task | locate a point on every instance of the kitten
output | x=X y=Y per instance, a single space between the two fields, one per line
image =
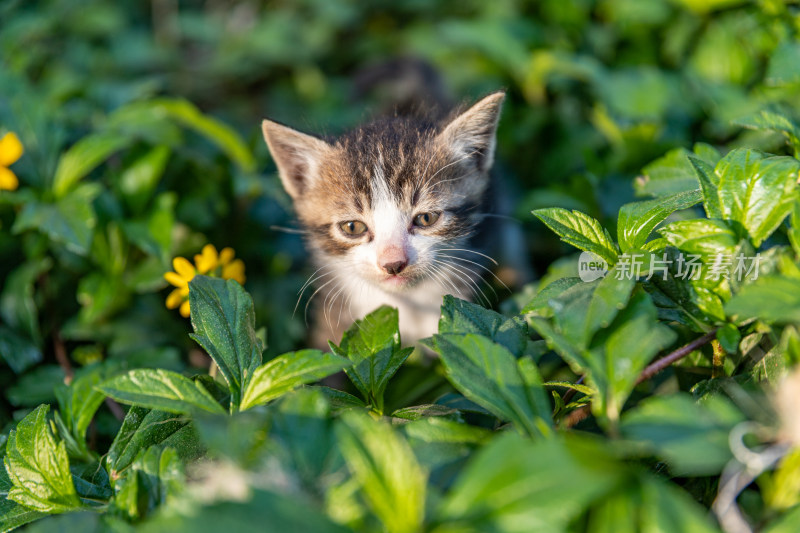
x=388 y=210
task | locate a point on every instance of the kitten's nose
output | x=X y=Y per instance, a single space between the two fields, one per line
x=395 y=267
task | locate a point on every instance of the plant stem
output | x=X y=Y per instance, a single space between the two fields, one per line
x=571 y=392
x=62 y=358
x=659 y=365
x=651 y=370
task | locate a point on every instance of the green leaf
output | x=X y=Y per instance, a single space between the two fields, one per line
x=160 y=389
x=418 y=412
x=219 y=133
x=541 y=303
x=100 y=295
x=92 y=484
x=137 y=183
x=767 y=119
x=260 y=511
x=77 y=404
x=70 y=220
x=12 y=514
x=709 y=183
x=631 y=344
x=304 y=426
x=83 y=157
x=789 y=522
x=609 y=296
x=794 y=228
x=491 y=376
x=704 y=237
x=784 y=65
x=515 y=485
x=38 y=467
x=617 y=512
x=672 y=173
x=775 y=299
x=585 y=308
x=648 y=504
x=668 y=509
x=676 y=299
x=436 y=429
x=637 y=220
x=757 y=190
x=18 y=306
x=19 y=352
x=154 y=478
x=579 y=230
x=146 y=232
x=287 y=372
x=391 y=481
x=459 y=316
x=224 y=325
x=691 y=437
x=36 y=386
x=613 y=366
x=143 y=429
x=729 y=337
x=373 y=345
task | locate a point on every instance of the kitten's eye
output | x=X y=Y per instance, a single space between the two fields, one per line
x=426 y=219
x=353 y=228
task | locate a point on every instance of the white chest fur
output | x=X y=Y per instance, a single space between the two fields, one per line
x=419 y=308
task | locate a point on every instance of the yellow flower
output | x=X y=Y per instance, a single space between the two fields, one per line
x=10 y=151
x=209 y=263
x=207 y=259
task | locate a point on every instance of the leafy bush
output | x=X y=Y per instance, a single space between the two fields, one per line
x=659 y=396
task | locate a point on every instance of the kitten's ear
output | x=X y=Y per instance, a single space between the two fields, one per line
x=296 y=154
x=472 y=133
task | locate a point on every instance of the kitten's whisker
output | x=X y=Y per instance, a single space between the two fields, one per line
x=449 y=267
x=333 y=302
x=463 y=268
x=436 y=276
x=468 y=251
x=442 y=275
x=294 y=231
x=309 y=280
x=466 y=279
x=305 y=314
x=479 y=266
x=305 y=286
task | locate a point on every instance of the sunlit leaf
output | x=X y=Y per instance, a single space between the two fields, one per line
x=224 y=325
x=38 y=467
x=160 y=389
x=579 y=230
x=286 y=372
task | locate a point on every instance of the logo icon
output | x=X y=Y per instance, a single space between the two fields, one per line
x=591 y=267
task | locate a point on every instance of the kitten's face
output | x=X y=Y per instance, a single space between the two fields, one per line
x=389 y=202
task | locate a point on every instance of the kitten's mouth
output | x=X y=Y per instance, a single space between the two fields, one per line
x=397 y=282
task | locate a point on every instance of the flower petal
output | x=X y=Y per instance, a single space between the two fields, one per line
x=8 y=180
x=207 y=260
x=226 y=256
x=185 y=310
x=184 y=268
x=10 y=149
x=176 y=280
x=175 y=299
x=234 y=270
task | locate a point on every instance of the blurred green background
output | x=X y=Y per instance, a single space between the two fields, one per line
x=597 y=90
